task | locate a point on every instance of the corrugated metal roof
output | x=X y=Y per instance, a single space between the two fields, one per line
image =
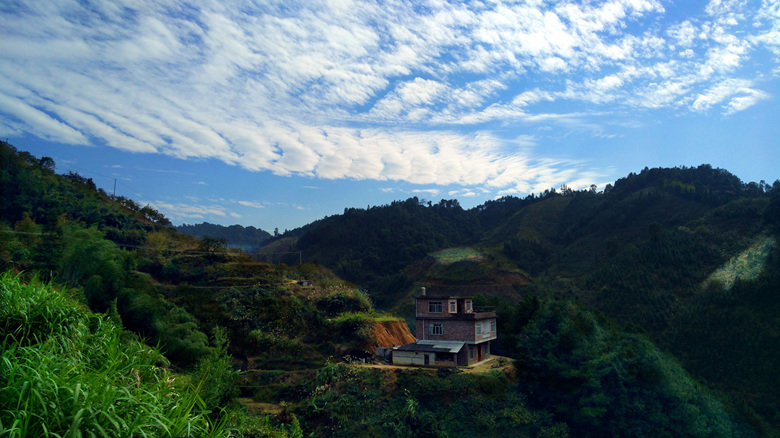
x=443 y=296
x=433 y=346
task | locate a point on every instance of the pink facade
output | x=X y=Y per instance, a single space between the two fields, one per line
x=452 y=318
x=428 y=306
x=456 y=329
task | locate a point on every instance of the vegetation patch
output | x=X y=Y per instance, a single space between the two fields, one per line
x=746 y=265
x=459 y=254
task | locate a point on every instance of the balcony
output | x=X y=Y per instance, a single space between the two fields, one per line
x=477 y=313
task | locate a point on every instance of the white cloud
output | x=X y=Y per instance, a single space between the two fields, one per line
x=737 y=95
x=408 y=97
x=683 y=33
x=362 y=90
x=252 y=204
x=768 y=20
x=430 y=192
x=40 y=122
x=181 y=211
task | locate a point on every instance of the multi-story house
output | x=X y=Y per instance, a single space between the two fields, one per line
x=450 y=332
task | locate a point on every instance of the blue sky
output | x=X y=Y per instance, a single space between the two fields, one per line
x=275 y=114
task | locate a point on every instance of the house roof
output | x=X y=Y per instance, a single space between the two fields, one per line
x=443 y=297
x=433 y=346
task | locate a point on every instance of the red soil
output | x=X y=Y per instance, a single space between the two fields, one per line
x=391 y=334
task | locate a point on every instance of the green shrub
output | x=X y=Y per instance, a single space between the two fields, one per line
x=353 y=329
x=597 y=378
x=165 y=324
x=344 y=301
x=215 y=374
x=88 y=254
x=30 y=314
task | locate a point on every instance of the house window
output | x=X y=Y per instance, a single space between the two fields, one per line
x=471 y=352
x=453 y=307
x=492 y=326
x=434 y=307
x=479 y=328
x=468 y=305
x=435 y=329
x=444 y=357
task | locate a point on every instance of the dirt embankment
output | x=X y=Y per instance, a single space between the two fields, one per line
x=392 y=334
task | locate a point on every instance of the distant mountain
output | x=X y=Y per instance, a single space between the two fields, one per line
x=247 y=238
x=558 y=234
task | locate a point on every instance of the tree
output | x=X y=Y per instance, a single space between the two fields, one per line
x=47 y=164
x=86 y=255
x=212 y=244
x=155 y=216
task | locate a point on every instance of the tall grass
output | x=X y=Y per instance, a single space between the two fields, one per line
x=32 y=313
x=68 y=373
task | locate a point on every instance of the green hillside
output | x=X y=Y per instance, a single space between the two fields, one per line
x=647 y=310
x=651 y=252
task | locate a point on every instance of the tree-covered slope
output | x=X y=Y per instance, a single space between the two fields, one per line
x=247 y=238
x=706 y=214
x=642 y=252
x=172 y=289
x=370 y=247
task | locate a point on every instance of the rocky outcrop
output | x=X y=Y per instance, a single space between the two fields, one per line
x=391 y=334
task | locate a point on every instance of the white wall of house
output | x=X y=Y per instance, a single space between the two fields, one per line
x=413 y=358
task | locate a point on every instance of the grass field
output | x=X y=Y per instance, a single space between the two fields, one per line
x=460 y=254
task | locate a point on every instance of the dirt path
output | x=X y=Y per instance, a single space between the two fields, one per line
x=499 y=363
x=257 y=408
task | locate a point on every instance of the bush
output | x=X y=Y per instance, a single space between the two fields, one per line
x=344 y=301
x=353 y=329
x=215 y=374
x=597 y=378
x=31 y=314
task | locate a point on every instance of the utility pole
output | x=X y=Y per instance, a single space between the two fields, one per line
x=114 y=188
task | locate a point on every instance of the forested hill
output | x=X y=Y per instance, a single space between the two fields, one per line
x=372 y=247
x=686 y=255
x=247 y=238
x=564 y=233
x=34 y=199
